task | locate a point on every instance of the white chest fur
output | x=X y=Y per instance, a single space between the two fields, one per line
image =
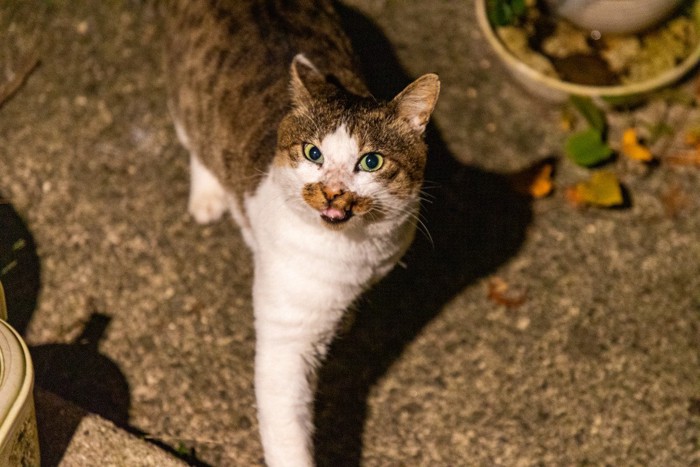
x=306 y=276
x=307 y=259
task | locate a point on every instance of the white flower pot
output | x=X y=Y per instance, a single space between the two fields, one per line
x=19 y=442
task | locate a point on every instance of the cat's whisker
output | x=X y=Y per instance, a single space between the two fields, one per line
x=425 y=193
x=260 y=173
x=416 y=218
x=429 y=184
x=426 y=200
x=422 y=227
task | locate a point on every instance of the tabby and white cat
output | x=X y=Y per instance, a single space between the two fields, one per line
x=322 y=179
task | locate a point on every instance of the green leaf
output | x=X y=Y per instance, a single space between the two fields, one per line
x=497 y=13
x=591 y=112
x=518 y=7
x=587 y=148
x=505 y=12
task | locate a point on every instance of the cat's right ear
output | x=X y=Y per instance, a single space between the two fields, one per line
x=306 y=81
x=417 y=101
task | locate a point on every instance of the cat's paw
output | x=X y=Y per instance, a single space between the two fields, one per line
x=208 y=206
x=208 y=199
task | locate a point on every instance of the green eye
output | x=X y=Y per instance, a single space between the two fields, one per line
x=313 y=153
x=371 y=162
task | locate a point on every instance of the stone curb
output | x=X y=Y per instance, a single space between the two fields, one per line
x=69 y=436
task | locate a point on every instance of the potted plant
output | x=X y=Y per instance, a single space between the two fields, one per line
x=598 y=48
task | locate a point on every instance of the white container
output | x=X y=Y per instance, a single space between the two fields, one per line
x=19 y=441
x=556 y=90
x=615 y=16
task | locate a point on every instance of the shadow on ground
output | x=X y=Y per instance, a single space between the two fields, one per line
x=77 y=372
x=19 y=267
x=476 y=222
x=60 y=368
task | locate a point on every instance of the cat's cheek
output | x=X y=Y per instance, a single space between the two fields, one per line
x=294 y=178
x=363 y=205
x=366 y=185
x=313 y=196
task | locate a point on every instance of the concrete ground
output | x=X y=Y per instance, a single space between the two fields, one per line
x=135 y=313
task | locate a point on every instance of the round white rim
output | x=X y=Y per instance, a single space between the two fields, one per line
x=16 y=380
x=631 y=89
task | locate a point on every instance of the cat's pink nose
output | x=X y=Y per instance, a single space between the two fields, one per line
x=331 y=192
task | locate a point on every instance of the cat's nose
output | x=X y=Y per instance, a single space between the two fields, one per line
x=331 y=192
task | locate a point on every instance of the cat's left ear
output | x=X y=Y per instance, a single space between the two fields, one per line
x=415 y=104
x=306 y=81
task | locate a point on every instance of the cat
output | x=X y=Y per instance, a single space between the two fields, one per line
x=323 y=180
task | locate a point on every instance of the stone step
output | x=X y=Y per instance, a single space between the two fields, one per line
x=70 y=436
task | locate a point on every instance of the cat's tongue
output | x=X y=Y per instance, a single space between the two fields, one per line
x=334 y=214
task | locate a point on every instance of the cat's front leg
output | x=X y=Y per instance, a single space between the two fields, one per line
x=287 y=353
x=284 y=395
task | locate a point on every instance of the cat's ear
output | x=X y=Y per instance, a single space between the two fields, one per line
x=306 y=81
x=415 y=103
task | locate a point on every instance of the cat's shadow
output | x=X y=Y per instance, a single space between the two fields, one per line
x=476 y=222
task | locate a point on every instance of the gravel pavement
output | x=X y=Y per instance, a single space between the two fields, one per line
x=136 y=313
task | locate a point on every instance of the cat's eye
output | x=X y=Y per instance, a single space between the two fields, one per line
x=312 y=153
x=371 y=162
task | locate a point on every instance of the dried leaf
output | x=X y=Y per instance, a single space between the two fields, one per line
x=691 y=137
x=542 y=185
x=686 y=158
x=674 y=201
x=535 y=181
x=602 y=189
x=8 y=89
x=632 y=148
x=500 y=293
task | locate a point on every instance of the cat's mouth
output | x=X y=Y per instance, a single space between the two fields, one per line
x=335 y=216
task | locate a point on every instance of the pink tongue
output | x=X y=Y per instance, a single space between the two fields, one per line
x=333 y=213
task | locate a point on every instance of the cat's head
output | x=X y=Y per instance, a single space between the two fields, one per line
x=347 y=159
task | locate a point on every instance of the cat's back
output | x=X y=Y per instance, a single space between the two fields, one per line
x=227 y=63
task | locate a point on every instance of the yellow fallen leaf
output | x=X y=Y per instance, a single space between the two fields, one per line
x=691 y=137
x=535 y=181
x=500 y=293
x=602 y=189
x=632 y=148
x=542 y=184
